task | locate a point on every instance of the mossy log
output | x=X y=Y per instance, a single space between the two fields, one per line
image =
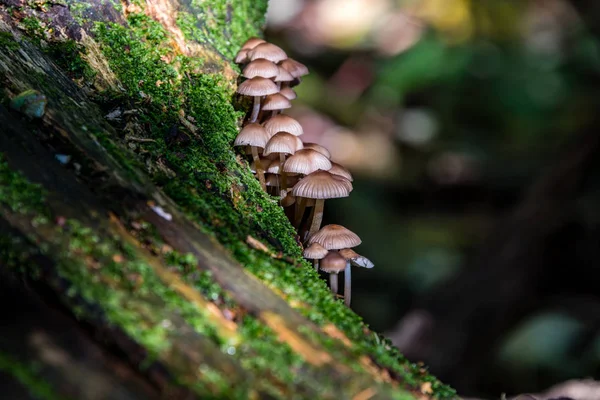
x=138 y=256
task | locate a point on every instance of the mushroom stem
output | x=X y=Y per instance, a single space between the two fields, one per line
x=255 y=109
x=259 y=171
x=317 y=217
x=283 y=176
x=333 y=282
x=274 y=113
x=347 y=288
x=300 y=207
x=316 y=265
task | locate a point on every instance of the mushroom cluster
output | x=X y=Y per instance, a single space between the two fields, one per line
x=301 y=175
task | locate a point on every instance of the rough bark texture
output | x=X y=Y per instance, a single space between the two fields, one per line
x=149 y=262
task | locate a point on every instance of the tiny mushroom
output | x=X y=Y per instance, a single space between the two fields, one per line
x=283 y=77
x=242 y=55
x=339 y=170
x=254 y=135
x=288 y=92
x=276 y=102
x=269 y=51
x=282 y=143
x=257 y=87
x=252 y=43
x=315 y=252
x=295 y=68
x=333 y=264
x=283 y=123
x=320 y=185
x=335 y=237
x=260 y=67
x=321 y=149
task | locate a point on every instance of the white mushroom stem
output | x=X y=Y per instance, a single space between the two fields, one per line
x=317 y=217
x=274 y=113
x=283 y=176
x=255 y=109
x=316 y=265
x=333 y=282
x=347 y=288
x=259 y=171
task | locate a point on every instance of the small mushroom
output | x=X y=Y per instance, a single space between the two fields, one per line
x=288 y=92
x=315 y=252
x=269 y=51
x=241 y=57
x=283 y=123
x=296 y=70
x=282 y=143
x=257 y=87
x=333 y=264
x=306 y=161
x=260 y=67
x=252 y=43
x=276 y=102
x=321 y=185
x=283 y=77
x=255 y=136
x=321 y=149
x=339 y=170
x=335 y=237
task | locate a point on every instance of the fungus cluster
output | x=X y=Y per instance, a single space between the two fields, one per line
x=301 y=175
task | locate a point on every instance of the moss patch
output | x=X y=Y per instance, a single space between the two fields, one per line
x=29 y=377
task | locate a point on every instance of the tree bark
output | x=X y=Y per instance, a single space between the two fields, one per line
x=134 y=226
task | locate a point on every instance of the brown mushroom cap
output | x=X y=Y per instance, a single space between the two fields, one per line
x=348 y=254
x=288 y=92
x=260 y=67
x=315 y=252
x=274 y=167
x=317 y=147
x=252 y=43
x=283 y=123
x=321 y=185
x=295 y=68
x=283 y=76
x=332 y=263
x=306 y=161
x=276 y=101
x=288 y=200
x=257 y=86
x=242 y=56
x=282 y=142
x=252 y=135
x=339 y=170
x=334 y=237
x=268 y=51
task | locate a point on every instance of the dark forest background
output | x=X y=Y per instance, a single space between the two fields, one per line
x=472 y=130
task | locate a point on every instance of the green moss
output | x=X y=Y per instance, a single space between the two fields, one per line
x=29 y=377
x=18 y=193
x=230 y=23
x=213 y=188
x=67 y=54
x=7 y=41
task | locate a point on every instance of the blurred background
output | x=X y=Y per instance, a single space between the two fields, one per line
x=472 y=130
